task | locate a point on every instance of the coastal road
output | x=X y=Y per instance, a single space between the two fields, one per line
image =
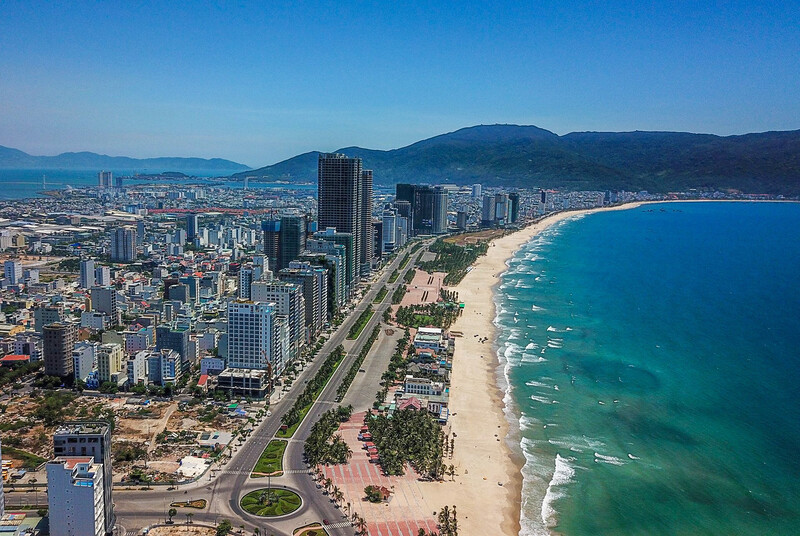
x=224 y=487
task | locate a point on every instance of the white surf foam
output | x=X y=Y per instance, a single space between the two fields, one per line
x=602 y=458
x=561 y=476
x=534 y=383
x=535 y=307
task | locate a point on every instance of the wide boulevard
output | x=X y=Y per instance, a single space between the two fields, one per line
x=224 y=487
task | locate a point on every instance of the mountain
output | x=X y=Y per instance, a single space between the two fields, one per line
x=513 y=155
x=16 y=159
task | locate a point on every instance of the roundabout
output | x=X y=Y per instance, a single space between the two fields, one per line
x=273 y=502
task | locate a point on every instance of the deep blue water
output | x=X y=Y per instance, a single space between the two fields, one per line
x=24 y=183
x=654 y=362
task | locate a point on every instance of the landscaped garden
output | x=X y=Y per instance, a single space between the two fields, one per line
x=271 y=460
x=271 y=502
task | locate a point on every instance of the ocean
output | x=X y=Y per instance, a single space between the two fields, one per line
x=26 y=183
x=652 y=358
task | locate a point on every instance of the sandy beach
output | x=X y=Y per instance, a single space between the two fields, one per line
x=487 y=488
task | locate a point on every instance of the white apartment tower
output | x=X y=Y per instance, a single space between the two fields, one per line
x=253 y=336
x=75 y=496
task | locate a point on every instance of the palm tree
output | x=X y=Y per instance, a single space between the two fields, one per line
x=327 y=483
x=171 y=513
x=361 y=525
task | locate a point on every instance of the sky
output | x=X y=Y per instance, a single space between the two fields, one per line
x=258 y=84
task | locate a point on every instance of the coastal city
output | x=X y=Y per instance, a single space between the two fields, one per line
x=251 y=360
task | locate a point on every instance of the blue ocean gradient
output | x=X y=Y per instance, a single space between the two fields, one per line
x=653 y=358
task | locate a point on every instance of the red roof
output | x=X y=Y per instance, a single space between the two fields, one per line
x=412 y=403
x=203 y=380
x=15 y=358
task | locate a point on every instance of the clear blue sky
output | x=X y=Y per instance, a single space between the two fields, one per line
x=260 y=84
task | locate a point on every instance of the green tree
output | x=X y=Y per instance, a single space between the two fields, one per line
x=171 y=513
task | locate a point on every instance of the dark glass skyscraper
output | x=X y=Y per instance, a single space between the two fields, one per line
x=345 y=202
x=292 y=240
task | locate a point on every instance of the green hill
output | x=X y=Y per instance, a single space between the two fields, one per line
x=512 y=155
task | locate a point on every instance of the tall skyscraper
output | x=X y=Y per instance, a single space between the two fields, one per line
x=476 y=191
x=292 y=240
x=389 y=230
x=514 y=198
x=272 y=241
x=343 y=191
x=192 y=226
x=105 y=179
x=367 y=230
x=87 y=273
x=89 y=439
x=58 y=342
x=405 y=199
x=123 y=244
x=439 y=210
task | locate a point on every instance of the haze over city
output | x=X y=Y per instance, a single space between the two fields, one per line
x=258 y=84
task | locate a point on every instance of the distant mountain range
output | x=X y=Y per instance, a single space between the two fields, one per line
x=16 y=159
x=513 y=155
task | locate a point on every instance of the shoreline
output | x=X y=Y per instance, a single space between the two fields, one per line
x=488 y=461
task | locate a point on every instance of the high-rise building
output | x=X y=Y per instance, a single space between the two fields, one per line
x=105 y=179
x=253 y=337
x=514 y=199
x=47 y=314
x=58 y=343
x=123 y=244
x=12 y=272
x=163 y=366
x=333 y=257
x=439 y=210
x=89 y=439
x=104 y=300
x=405 y=202
x=75 y=494
x=345 y=202
x=367 y=230
x=272 y=241
x=102 y=276
x=290 y=303
x=176 y=338
x=292 y=240
x=192 y=226
x=109 y=361
x=461 y=220
x=84 y=359
x=389 y=230
x=543 y=196
x=343 y=239
x=87 y=274
x=502 y=208
x=476 y=191
x=488 y=213
x=245 y=282
x=314 y=281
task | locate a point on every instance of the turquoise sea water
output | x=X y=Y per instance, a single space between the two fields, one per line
x=653 y=358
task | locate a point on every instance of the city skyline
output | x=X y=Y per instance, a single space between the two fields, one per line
x=255 y=85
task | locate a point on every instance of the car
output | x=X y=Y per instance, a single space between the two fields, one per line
x=325 y=522
x=361 y=370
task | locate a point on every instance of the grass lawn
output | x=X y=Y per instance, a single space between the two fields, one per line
x=280 y=502
x=271 y=460
x=394 y=276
